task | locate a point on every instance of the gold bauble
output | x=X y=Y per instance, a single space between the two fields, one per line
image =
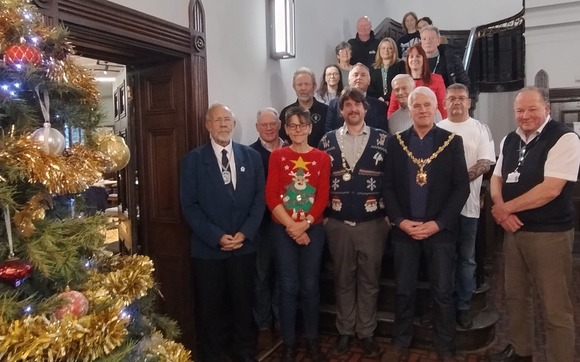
x=116 y=153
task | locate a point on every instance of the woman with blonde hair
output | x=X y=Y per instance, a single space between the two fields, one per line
x=387 y=65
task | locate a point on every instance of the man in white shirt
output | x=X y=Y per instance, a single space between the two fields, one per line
x=479 y=155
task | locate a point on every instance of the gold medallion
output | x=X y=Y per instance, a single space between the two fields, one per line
x=421 y=178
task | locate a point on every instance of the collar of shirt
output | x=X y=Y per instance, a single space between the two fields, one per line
x=265 y=144
x=366 y=130
x=520 y=132
x=217 y=149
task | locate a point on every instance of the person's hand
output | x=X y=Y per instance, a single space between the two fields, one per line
x=425 y=230
x=240 y=237
x=408 y=226
x=500 y=213
x=303 y=239
x=297 y=228
x=229 y=243
x=512 y=223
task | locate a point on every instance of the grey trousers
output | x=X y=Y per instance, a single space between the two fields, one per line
x=356 y=252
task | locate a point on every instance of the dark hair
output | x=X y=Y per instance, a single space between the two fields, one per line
x=426 y=19
x=323 y=89
x=353 y=94
x=342 y=45
x=303 y=115
x=425 y=72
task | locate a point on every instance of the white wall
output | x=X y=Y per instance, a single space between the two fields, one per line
x=552 y=35
x=241 y=74
x=456 y=14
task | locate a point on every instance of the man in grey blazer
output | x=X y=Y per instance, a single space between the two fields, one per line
x=222 y=199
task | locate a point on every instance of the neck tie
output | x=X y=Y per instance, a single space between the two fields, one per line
x=227 y=172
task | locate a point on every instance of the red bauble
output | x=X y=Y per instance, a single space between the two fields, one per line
x=14 y=271
x=25 y=54
x=75 y=303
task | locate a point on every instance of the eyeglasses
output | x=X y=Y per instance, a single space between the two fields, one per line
x=297 y=126
x=453 y=99
x=332 y=74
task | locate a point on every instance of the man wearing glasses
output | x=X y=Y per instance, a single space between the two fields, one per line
x=222 y=199
x=479 y=155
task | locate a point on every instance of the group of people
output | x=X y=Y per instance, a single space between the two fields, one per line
x=344 y=177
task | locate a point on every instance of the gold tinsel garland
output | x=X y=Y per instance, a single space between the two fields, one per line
x=74 y=171
x=67 y=72
x=171 y=352
x=37 y=338
x=94 y=335
x=130 y=278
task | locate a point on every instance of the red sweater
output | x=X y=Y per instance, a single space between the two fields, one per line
x=437 y=86
x=300 y=182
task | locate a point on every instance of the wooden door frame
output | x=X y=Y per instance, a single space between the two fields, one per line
x=104 y=30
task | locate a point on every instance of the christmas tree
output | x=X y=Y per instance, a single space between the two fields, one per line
x=63 y=297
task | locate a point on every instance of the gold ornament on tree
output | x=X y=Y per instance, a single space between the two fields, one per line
x=115 y=150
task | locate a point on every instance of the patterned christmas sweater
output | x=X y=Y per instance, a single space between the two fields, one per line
x=359 y=198
x=298 y=181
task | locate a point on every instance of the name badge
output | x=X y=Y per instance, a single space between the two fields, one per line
x=513 y=177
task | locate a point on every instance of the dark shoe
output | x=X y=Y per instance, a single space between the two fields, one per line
x=288 y=353
x=314 y=350
x=426 y=319
x=265 y=339
x=370 y=347
x=508 y=355
x=395 y=354
x=464 y=319
x=342 y=345
x=446 y=356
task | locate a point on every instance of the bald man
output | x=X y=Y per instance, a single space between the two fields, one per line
x=364 y=44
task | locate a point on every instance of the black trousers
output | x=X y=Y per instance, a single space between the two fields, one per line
x=224 y=301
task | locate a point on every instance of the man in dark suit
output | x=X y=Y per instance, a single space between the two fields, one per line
x=426 y=186
x=376 y=117
x=222 y=198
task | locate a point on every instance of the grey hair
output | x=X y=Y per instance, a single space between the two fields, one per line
x=268 y=110
x=405 y=77
x=543 y=92
x=430 y=28
x=424 y=91
x=216 y=106
x=304 y=70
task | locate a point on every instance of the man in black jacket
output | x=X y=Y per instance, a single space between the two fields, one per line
x=364 y=45
x=442 y=58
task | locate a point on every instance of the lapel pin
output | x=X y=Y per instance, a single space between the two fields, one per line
x=242 y=169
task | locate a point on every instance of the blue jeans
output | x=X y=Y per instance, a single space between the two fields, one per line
x=465 y=269
x=298 y=270
x=265 y=290
x=439 y=252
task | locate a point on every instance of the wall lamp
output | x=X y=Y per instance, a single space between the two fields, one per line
x=282 y=37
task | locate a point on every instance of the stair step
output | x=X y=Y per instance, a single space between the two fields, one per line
x=479 y=336
x=386 y=299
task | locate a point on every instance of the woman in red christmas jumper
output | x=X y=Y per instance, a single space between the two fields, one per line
x=297 y=192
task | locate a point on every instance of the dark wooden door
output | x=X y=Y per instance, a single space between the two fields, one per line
x=160 y=120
